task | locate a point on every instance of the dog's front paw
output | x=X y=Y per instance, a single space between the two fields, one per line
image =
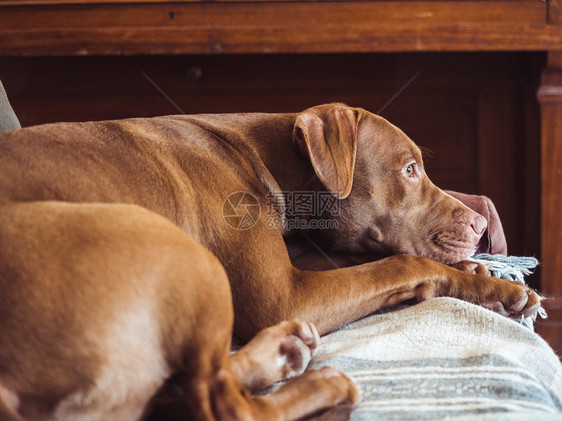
x=508 y=298
x=514 y=300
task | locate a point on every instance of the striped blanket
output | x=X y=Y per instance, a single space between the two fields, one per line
x=446 y=359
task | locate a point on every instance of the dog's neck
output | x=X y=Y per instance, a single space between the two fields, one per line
x=265 y=143
x=273 y=140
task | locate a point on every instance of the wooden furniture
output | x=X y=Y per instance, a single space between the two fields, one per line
x=466 y=78
x=550 y=98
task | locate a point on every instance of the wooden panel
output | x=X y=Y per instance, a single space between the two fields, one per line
x=268 y=15
x=555 y=12
x=55 y=2
x=550 y=97
x=550 y=329
x=528 y=125
x=263 y=27
x=309 y=39
x=496 y=156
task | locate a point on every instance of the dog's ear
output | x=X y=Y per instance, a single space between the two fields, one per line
x=328 y=136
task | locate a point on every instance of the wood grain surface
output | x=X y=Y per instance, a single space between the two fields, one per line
x=78 y=28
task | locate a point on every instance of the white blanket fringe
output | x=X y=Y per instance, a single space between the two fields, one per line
x=512 y=268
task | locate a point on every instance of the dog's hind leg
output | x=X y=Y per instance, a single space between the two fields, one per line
x=196 y=332
x=216 y=394
x=309 y=394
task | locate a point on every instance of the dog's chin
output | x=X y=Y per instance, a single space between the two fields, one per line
x=449 y=248
x=446 y=247
x=448 y=257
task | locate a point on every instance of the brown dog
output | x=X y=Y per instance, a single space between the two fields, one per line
x=102 y=303
x=195 y=171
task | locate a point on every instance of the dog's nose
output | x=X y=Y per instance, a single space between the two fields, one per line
x=479 y=225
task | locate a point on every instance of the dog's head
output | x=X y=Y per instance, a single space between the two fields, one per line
x=388 y=205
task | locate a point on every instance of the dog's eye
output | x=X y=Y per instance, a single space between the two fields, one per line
x=409 y=170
